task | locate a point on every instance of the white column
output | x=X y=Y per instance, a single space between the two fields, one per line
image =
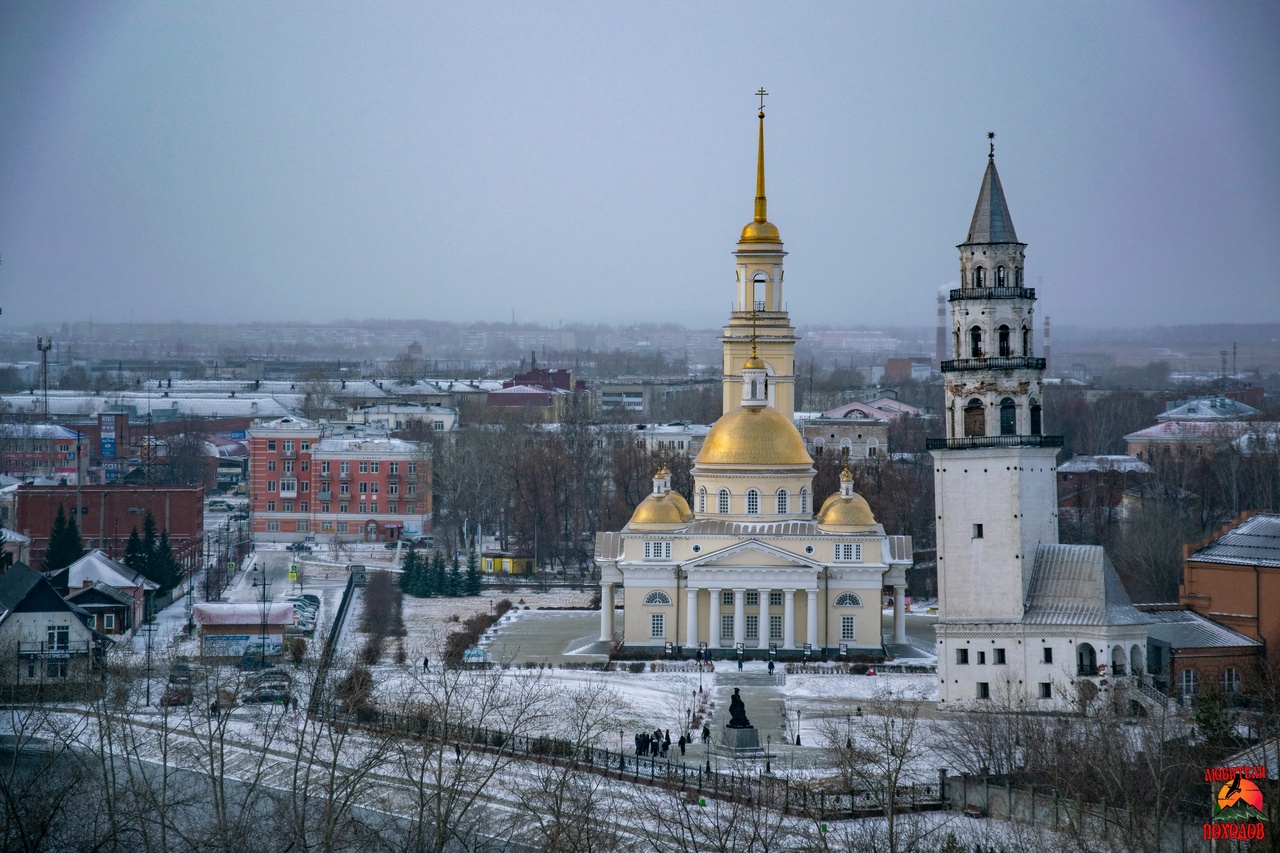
x=764 y=618
x=606 y=613
x=899 y=614
x=812 y=595
x=739 y=622
x=691 y=617
x=713 y=630
x=788 y=618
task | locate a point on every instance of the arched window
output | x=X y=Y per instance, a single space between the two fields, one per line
x=804 y=501
x=1230 y=681
x=819 y=444
x=722 y=501
x=980 y=277
x=1189 y=683
x=1034 y=409
x=753 y=502
x=975 y=342
x=657 y=597
x=1000 y=279
x=848 y=599
x=702 y=499
x=873 y=447
x=1026 y=341
x=955 y=342
x=1005 y=350
x=753 y=389
x=784 y=502
x=974 y=419
x=1008 y=417
x=1017 y=277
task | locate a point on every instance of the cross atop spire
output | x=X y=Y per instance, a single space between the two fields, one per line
x=991 y=138
x=762 y=94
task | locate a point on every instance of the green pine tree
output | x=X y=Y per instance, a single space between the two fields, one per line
x=409 y=573
x=455 y=583
x=150 y=542
x=133 y=554
x=6 y=559
x=65 y=545
x=473 y=573
x=167 y=567
x=438 y=579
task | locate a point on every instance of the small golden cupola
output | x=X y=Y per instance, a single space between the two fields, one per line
x=664 y=509
x=760 y=229
x=846 y=510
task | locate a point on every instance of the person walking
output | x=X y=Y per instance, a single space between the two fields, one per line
x=681 y=743
x=771 y=667
x=457 y=752
x=706 y=734
x=426 y=663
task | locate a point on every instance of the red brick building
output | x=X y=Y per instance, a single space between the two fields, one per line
x=309 y=480
x=109 y=512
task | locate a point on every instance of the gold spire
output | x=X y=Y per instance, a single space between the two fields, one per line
x=760 y=229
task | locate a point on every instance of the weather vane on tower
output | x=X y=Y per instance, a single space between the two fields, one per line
x=991 y=137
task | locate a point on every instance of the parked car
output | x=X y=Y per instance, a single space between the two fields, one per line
x=240 y=516
x=176 y=694
x=254 y=661
x=219 y=506
x=298 y=546
x=392 y=545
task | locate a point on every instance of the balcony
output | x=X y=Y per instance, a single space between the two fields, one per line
x=344 y=496
x=976 y=442
x=993 y=293
x=324 y=496
x=54 y=651
x=288 y=454
x=1008 y=362
x=1086 y=669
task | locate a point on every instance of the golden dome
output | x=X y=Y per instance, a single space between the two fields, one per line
x=670 y=508
x=758 y=231
x=845 y=512
x=753 y=436
x=755 y=362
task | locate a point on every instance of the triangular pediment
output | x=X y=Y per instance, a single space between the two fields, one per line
x=751 y=554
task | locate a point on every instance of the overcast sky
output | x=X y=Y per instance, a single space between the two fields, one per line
x=595 y=161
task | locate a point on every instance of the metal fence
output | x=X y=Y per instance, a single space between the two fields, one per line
x=677 y=773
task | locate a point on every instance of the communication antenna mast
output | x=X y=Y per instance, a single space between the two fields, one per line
x=44 y=345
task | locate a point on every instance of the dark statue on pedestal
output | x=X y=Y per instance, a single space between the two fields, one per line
x=738 y=713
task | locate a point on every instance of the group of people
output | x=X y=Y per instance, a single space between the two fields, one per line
x=658 y=742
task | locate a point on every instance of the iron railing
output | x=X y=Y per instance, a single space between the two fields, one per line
x=1007 y=362
x=993 y=293
x=975 y=442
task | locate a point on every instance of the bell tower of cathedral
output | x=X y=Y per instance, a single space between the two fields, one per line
x=994 y=473
x=759 y=315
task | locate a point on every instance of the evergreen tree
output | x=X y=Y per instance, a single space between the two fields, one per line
x=65 y=545
x=133 y=554
x=166 y=566
x=456 y=584
x=473 y=573
x=438 y=580
x=147 y=552
x=409 y=574
x=6 y=559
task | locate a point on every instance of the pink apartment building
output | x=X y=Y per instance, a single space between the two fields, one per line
x=308 y=479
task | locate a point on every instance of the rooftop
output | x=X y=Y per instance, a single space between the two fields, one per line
x=1077 y=585
x=1254 y=542
x=1186 y=629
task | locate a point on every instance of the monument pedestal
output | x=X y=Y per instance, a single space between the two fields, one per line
x=743 y=743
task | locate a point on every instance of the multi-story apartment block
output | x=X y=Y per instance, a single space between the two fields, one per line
x=308 y=480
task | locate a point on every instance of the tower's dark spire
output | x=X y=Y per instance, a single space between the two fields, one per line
x=991 y=220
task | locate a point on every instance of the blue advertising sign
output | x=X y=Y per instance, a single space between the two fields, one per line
x=239 y=435
x=108 y=448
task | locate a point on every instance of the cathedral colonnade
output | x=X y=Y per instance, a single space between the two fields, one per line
x=756 y=616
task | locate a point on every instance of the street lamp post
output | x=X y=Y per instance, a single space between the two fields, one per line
x=622 y=755
x=797 y=727
x=768 y=744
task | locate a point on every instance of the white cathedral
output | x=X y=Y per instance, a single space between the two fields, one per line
x=754 y=567
x=1023 y=620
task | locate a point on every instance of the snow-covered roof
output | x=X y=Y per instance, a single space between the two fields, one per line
x=14 y=536
x=97 y=567
x=1121 y=463
x=1186 y=629
x=73 y=403
x=224 y=613
x=1254 y=542
x=52 y=431
x=106 y=590
x=1207 y=409
x=364 y=444
x=1203 y=430
x=1077 y=585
